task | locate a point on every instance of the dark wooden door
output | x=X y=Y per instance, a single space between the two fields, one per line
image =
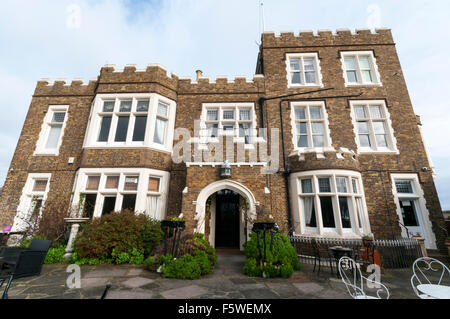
x=227 y=219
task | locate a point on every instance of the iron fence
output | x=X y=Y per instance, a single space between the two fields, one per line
x=397 y=253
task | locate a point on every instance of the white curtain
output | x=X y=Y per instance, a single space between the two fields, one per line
x=160 y=131
x=152 y=206
x=308 y=203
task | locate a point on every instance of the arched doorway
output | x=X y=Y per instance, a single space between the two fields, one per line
x=226 y=198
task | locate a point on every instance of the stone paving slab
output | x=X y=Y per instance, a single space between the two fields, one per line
x=184 y=292
x=137 y=282
x=129 y=294
x=308 y=287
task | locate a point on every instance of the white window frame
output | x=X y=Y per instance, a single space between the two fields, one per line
x=23 y=212
x=204 y=139
x=422 y=212
x=141 y=193
x=94 y=126
x=391 y=140
x=373 y=64
x=297 y=204
x=301 y=57
x=46 y=128
x=327 y=137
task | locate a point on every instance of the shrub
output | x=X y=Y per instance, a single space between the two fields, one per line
x=185 y=267
x=120 y=237
x=281 y=261
x=55 y=255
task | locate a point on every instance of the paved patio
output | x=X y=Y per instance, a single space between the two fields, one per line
x=226 y=281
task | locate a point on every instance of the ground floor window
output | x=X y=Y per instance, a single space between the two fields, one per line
x=329 y=201
x=103 y=191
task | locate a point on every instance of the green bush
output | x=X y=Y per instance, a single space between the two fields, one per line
x=55 y=255
x=118 y=237
x=280 y=262
x=185 y=267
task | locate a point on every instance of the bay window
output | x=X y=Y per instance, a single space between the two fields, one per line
x=329 y=203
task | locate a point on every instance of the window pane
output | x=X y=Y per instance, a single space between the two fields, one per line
x=351 y=77
x=309 y=64
x=89 y=205
x=302 y=141
x=104 y=130
x=355 y=185
x=364 y=62
x=404 y=187
x=139 y=128
x=318 y=140
x=300 y=113
x=381 y=140
x=125 y=106
x=295 y=65
x=129 y=202
x=350 y=63
x=375 y=112
x=160 y=131
x=58 y=117
x=364 y=140
x=92 y=183
x=341 y=184
x=142 y=106
x=212 y=115
x=409 y=213
x=212 y=130
x=295 y=78
x=345 y=213
x=228 y=114
x=363 y=127
x=309 y=212
x=108 y=106
x=360 y=209
x=244 y=115
x=244 y=131
x=228 y=127
x=367 y=76
x=317 y=127
x=310 y=77
x=302 y=128
x=131 y=183
x=378 y=127
x=306 y=186
x=315 y=112
x=109 y=204
x=153 y=184
x=53 y=137
x=163 y=109
x=324 y=185
x=360 y=112
x=327 y=212
x=112 y=182
x=122 y=128
x=152 y=206
x=40 y=185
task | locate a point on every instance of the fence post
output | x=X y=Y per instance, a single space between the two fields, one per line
x=421 y=241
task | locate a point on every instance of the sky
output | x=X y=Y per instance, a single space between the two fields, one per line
x=74 y=39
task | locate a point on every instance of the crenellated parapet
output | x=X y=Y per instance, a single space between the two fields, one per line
x=327 y=38
x=240 y=84
x=62 y=87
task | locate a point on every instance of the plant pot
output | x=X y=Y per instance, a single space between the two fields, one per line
x=173 y=223
x=263 y=226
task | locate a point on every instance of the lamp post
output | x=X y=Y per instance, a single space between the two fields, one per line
x=225 y=169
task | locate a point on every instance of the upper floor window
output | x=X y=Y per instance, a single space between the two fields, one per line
x=360 y=68
x=52 y=130
x=303 y=69
x=309 y=125
x=227 y=119
x=124 y=120
x=372 y=127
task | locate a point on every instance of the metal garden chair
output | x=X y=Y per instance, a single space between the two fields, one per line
x=356 y=283
x=429 y=275
x=321 y=255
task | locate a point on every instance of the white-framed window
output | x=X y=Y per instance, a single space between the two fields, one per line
x=372 y=127
x=228 y=119
x=329 y=202
x=411 y=208
x=131 y=120
x=52 y=130
x=32 y=200
x=303 y=69
x=360 y=68
x=101 y=191
x=309 y=122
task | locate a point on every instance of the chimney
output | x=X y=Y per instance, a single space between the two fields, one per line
x=199 y=74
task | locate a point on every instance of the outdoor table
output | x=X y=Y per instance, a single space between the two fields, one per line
x=435 y=291
x=340 y=252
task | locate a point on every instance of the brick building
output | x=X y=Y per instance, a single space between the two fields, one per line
x=342 y=154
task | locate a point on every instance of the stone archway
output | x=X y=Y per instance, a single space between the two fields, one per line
x=221 y=185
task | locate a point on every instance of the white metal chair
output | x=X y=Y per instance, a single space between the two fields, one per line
x=354 y=281
x=428 y=271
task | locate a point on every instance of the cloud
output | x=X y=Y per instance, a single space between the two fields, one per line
x=216 y=36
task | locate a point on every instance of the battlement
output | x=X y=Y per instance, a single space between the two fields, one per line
x=343 y=37
x=222 y=84
x=65 y=87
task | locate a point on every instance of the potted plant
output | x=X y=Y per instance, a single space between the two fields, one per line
x=264 y=220
x=367 y=240
x=174 y=222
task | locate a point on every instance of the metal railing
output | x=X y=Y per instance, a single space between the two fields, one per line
x=397 y=253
